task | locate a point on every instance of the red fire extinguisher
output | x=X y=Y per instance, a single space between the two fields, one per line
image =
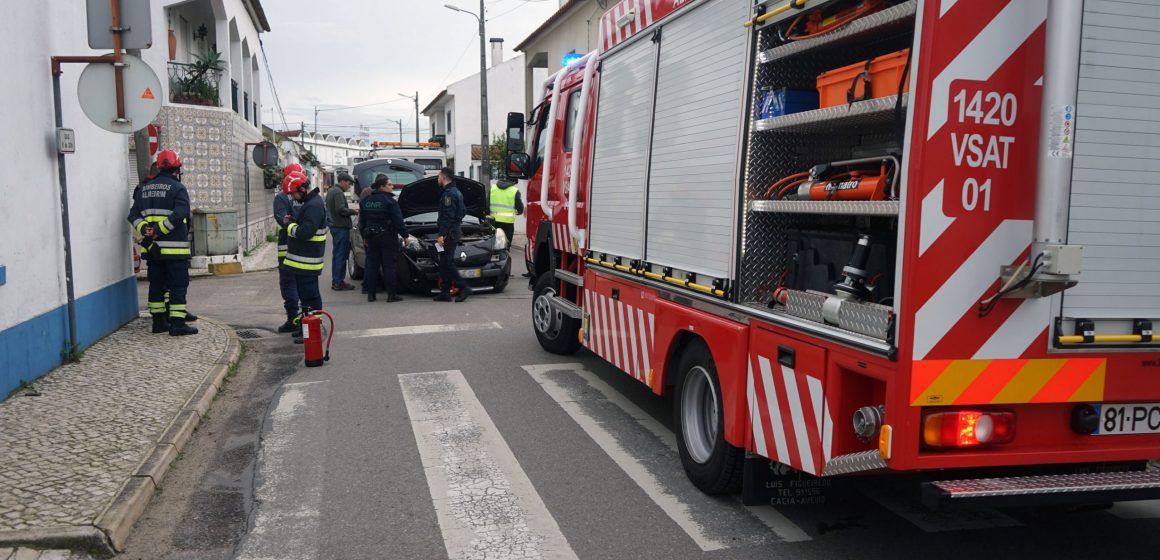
x=312 y=338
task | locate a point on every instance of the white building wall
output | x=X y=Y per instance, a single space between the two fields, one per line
x=505 y=93
x=30 y=220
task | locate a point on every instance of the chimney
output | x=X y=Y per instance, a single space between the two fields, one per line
x=496 y=51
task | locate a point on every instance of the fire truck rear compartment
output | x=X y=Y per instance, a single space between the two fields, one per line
x=806 y=246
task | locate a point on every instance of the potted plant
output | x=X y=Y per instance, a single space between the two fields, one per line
x=198 y=85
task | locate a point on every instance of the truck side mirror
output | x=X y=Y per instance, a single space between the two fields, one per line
x=515 y=133
x=516 y=165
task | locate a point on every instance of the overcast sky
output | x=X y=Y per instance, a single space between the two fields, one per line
x=343 y=53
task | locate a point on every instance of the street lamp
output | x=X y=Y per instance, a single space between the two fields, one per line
x=484 y=167
x=416 y=99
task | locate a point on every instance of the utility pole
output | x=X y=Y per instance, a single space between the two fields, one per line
x=316 y=119
x=400 y=123
x=415 y=98
x=484 y=136
x=484 y=131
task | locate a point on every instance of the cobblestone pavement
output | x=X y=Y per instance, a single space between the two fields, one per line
x=31 y=554
x=70 y=441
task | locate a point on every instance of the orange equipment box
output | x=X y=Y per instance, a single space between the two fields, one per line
x=847 y=84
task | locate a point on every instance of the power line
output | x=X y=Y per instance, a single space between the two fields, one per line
x=273 y=87
x=470 y=42
x=359 y=106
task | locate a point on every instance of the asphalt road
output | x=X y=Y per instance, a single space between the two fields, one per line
x=443 y=430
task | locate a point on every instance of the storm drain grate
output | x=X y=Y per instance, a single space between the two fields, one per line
x=250 y=334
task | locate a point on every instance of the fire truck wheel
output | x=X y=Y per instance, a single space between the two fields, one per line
x=711 y=463
x=557 y=333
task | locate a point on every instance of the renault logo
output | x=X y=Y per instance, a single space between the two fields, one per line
x=463 y=256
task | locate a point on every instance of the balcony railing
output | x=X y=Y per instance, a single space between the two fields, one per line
x=193 y=85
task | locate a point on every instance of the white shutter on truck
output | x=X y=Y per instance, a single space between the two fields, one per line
x=1115 y=201
x=620 y=163
x=696 y=136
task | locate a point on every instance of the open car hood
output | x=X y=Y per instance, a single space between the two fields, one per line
x=423 y=196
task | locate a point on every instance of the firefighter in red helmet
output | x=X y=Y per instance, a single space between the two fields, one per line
x=284 y=207
x=160 y=213
x=305 y=241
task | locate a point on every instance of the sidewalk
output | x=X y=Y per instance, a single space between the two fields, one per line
x=83 y=448
x=264 y=257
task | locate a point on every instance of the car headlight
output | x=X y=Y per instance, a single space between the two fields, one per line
x=500 y=240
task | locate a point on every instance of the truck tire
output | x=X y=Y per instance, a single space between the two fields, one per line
x=712 y=464
x=557 y=333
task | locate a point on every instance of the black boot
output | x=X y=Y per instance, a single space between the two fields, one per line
x=177 y=327
x=371 y=296
x=289 y=326
x=392 y=297
x=160 y=323
x=190 y=317
x=464 y=293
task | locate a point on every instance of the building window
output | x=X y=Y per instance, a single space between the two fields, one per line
x=448 y=121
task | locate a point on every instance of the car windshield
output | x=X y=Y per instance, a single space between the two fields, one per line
x=430 y=164
x=432 y=217
x=400 y=176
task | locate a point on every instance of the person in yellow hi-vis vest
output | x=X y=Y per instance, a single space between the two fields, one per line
x=506 y=204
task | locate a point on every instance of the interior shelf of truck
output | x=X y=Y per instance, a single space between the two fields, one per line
x=871 y=112
x=892 y=19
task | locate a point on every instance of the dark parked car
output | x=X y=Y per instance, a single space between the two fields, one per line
x=482 y=257
x=401 y=172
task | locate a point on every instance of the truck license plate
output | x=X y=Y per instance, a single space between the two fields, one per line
x=1124 y=419
x=473 y=273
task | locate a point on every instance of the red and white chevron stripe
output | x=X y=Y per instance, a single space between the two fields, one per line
x=641 y=15
x=990 y=46
x=562 y=240
x=621 y=334
x=789 y=416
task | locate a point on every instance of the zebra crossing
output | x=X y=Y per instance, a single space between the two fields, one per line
x=488 y=505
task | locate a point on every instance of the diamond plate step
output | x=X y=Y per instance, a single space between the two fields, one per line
x=1045 y=489
x=828 y=207
x=872 y=112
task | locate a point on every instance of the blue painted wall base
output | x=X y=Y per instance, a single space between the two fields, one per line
x=31 y=349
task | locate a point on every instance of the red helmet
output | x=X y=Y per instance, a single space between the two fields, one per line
x=293 y=181
x=168 y=159
x=292 y=168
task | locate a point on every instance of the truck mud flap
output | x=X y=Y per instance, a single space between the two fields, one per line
x=1059 y=489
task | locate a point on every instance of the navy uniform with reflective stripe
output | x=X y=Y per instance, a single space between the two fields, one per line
x=306 y=248
x=285 y=206
x=163 y=202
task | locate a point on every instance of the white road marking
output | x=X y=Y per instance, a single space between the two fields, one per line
x=486 y=506
x=674 y=508
x=418 y=329
x=1144 y=509
x=286 y=523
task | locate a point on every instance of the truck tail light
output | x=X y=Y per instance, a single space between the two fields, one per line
x=967 y=428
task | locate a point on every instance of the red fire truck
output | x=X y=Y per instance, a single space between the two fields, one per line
x=866 y=236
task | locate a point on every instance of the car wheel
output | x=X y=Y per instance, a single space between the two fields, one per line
x=712 y=464
x=557 y=333
x=356 y=271
x=501 y=281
